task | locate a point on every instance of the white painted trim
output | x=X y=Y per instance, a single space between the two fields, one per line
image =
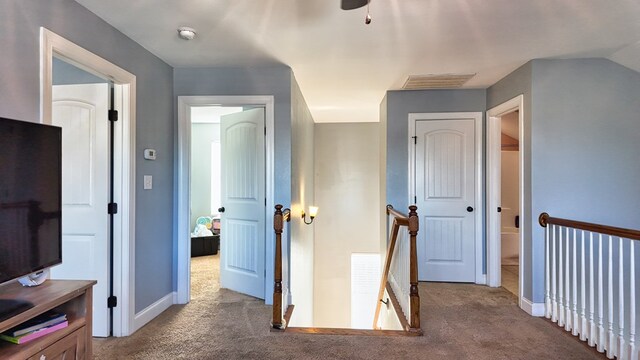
x=482 y=280
x=152 y=311
x=479 y=213
x=494 y=153
x=184 y=155
x=493 y=191
x=52 y=45
x=531 y=308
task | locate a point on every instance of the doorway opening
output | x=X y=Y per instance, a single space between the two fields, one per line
x=121 y=319
x=225 y=186
x=505 y=197
x=80 y=103
x=206 y=197
x=510 y=202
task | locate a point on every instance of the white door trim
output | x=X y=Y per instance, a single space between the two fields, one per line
x=493 y=190
x=185 y=103
x=477 y=116
x=124 y=223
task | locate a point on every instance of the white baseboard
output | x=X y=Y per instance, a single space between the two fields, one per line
x=152 y=311
x=533 y=309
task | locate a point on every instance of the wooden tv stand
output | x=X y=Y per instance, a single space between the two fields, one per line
x=72 y=297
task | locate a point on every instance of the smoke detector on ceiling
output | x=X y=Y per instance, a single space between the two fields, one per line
x=436 y=81
x=186 y=33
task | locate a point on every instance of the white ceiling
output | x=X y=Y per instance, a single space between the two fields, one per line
x=344 y=67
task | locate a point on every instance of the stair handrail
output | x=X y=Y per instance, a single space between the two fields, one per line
x=631 y=234
x=602 y=256
x=411 y=221
x=279 y=218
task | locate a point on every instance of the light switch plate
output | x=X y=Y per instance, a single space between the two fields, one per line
x=148 y=182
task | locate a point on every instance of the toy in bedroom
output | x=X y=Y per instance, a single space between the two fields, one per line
x=203 y=227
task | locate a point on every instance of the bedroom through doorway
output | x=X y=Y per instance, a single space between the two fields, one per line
x=206 y=198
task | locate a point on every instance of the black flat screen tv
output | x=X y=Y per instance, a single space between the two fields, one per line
x=30 y=198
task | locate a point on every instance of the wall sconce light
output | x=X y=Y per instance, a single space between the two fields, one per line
x=313 y=211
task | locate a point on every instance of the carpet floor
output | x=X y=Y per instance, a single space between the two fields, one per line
x=460 y=321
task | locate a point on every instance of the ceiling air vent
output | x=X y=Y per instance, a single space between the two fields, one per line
x=442 y=81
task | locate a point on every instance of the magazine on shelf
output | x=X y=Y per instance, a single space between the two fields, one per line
x=43 y=320
x=34 y=334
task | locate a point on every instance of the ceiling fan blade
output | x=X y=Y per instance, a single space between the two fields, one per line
x=352 y=4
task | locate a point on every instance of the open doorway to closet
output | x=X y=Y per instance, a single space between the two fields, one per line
x=505 y=194
x=510 y=202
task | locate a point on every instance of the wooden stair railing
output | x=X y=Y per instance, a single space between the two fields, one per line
x=411 y=222
x=590 y=283
x=279 y=218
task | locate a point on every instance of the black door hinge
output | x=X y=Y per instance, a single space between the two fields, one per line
x=415 y=199
x=112 y=302
x=415 y=139
x=113 y=115
x=112 y=208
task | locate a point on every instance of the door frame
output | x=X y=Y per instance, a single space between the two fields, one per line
x=52 y=44
x=479 y=174
x=494 y=154
x=183 y=240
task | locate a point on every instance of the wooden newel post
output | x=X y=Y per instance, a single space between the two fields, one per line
x=543 y=219
x=277 y=322
x=414 y=296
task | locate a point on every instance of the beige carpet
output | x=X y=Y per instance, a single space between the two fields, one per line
x=459 y=322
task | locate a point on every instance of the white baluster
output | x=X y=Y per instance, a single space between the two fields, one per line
x=632 y=303
x=574 y=304
x=554 y=301
x=610 y=340
x=567 y=283
x=583 y=294
x=621 y=345
x=601 y=337
x=592 y=289
x=547 y=261
x=560 y=279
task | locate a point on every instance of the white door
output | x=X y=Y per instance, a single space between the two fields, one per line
x=242 y=250
x=81 y=111
x=445 y=196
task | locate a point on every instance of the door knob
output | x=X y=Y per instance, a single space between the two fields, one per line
x=221 y=210
x=469 y=209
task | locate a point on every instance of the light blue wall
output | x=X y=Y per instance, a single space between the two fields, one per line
x=585 y=147
x=582 y=125
x=65 y=73
x=514 y=84
x=202 y=135
x=276 y=81
x=20 y=23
